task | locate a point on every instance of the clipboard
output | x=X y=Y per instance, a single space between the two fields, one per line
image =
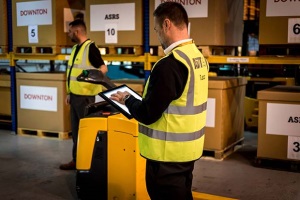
x=120 y=107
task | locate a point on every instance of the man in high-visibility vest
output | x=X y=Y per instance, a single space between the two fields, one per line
x=172 y=113
x=85 y=55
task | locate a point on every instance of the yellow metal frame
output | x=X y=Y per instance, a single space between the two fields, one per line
x=4 y=56
x=251 y=112
x=253 y=60
x=148 y=59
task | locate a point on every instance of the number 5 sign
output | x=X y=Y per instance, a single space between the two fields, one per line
x=33 y=34
x=294 y=30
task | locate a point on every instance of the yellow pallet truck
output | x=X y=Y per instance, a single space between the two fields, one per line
x=109 y=165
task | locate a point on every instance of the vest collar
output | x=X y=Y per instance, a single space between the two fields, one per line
x=79 y=45
x=175 y=44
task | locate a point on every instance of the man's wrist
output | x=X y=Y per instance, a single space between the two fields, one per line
x=126 y=97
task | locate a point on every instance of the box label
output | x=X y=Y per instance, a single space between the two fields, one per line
x=282 y=8
x=111 y=33
x=121 y=14
x=38 y=98
x=34 y=13
x=283 y=119
x=211 y=112
x=33 y=34
x=194 y=8
x=293 y=148
x=294 y=30
x=237 y=60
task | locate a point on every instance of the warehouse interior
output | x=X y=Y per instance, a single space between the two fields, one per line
x=252 y=135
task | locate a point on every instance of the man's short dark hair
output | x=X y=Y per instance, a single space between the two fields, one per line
x=79 y=15
x=78 y=23
x=173 y=11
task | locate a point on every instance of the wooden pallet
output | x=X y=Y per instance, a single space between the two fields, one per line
x=221 y=154
x=3 y=49
x=5 y=118
x=279 y=50
x=40 y=50
x=157 y=51
x=44 y=134
x=5 y=122
x=121 y=50
x=218 y=50
x=277 y=164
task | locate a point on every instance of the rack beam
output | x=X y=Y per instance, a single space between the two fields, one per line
x=253 y=60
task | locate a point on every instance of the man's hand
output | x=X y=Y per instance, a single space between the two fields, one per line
x=67 y=100
x=103 y=69
x=120 y=97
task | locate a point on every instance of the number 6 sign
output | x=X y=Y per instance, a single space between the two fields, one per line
x=294 y=30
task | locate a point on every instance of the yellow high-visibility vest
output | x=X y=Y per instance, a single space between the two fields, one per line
x=178 y=136
x=81 y=63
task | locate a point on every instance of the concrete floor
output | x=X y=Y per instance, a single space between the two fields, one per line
x=29 y=171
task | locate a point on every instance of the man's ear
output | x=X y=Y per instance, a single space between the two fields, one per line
x=167 y=24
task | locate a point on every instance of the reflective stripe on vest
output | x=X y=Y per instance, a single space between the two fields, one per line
x=178 y=136
x=189 y=109
x=175 y=137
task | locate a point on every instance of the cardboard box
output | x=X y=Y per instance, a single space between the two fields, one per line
x=124 y=37
x=223 y=25
x=273 y=29
x=137 y=85
x=275 y=145
x=41 y=102
x=48 y=34
x=5 y=94
x=228 y=112
x=3 y=24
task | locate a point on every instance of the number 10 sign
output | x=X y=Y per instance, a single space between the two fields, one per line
x=294 y=30
x=111 y=33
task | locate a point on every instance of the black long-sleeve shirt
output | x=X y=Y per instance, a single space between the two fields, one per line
x=166 y=83
x=94 y=55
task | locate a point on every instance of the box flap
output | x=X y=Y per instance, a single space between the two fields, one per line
x=60 y=76
x=280 y=93
x=224 y=82
x=4 y=80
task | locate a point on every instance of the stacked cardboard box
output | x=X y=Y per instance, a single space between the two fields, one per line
x=119 y=18
x=278 y=124
x=225 y=113
x=5 y=100
x=222 y=26
x=3 y=24
x=41 y=102
x=51 y=19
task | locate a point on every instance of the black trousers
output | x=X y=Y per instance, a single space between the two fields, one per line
x=77 y=107
x=169 y=181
